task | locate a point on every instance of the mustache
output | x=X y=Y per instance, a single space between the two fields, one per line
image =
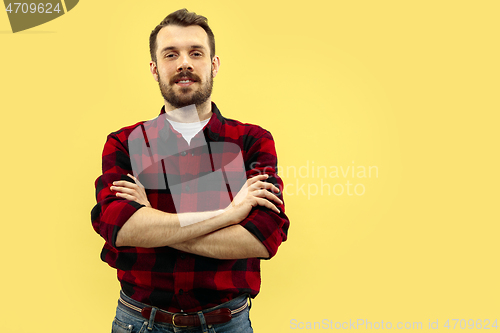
x=183 y=75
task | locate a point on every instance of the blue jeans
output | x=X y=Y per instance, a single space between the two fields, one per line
x=129 y=321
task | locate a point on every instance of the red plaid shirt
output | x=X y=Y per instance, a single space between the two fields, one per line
x=165 y=277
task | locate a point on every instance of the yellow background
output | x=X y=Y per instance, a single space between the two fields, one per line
x=409 y=87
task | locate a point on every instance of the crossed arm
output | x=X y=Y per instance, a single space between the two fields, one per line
x=214 y=234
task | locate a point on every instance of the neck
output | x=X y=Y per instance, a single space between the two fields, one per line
x=191 y=113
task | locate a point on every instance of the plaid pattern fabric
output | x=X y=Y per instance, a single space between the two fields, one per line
x=178 y=177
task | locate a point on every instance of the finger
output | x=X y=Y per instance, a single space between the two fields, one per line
x=268 y=204
x=133 y=198
x=125 y=183
x=257 y=178
x=272 y=188
x=268 y=195
x=123 y=189
x=126 y=196
x=136 y=180
x=257 y=185
x=260 y=185
x=276 y=189
x=273 y=197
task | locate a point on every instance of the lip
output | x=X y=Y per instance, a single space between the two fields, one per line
x=187 y=81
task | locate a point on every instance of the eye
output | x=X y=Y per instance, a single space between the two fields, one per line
x=196 y=54
x=170 y=55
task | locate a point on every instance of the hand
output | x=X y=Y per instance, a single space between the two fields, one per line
x=254 y=193
x=130 y=191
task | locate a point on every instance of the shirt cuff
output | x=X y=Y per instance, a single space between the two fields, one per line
x=267 y=227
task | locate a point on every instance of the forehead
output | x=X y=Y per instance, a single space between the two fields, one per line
x=181 y=37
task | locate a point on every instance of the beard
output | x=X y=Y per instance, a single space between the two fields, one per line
x=184 y=98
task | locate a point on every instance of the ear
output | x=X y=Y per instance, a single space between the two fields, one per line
x=215 y=65
x=154 y=70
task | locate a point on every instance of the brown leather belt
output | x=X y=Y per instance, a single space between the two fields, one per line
x=218 y=316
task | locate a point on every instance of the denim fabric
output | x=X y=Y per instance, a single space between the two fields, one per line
x=129 y=321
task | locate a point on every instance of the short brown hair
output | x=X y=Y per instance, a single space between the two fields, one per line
x=182 y=18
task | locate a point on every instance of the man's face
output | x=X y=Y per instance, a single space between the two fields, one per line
x=184 y=69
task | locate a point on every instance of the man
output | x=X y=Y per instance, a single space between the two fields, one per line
x=187 y=245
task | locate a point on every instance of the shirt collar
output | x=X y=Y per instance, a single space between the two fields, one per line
x=214 y=128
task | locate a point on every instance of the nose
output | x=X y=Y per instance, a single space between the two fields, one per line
x=185 y=64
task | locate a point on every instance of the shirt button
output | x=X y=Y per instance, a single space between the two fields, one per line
x=181 y=292
x=183 y=256
x=187 y=187
x=192 y=154
x=183 y=153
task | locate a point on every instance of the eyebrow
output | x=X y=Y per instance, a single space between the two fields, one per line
x=170 y=48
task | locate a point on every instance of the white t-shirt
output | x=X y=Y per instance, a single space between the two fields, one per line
x=188 y=130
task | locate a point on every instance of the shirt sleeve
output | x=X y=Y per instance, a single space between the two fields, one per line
x=111 y=212
x=268 y=226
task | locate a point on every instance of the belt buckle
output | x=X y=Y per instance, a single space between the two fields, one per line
x=173 y=319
